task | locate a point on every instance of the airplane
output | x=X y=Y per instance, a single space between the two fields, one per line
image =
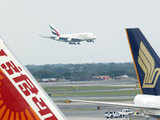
x=21 y=97
x=70 y=38
x=147 y=67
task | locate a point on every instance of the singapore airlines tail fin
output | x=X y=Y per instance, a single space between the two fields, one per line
x=146 y=62
x=21 y=97
x=54 y=31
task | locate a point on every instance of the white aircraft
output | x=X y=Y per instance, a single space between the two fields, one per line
x=147 y=67
x=71 y=38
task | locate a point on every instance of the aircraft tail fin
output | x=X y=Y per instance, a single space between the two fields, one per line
x=21 y=97
x=146 y=62
x=54 y=31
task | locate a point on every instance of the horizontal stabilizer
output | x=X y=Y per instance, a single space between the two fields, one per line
x=49 y=37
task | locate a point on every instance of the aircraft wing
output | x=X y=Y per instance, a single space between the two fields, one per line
x=49 y=37
x=116 y=104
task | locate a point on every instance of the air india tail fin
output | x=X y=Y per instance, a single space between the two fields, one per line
x=146 y=62
x=21 y=97
x=54 y=31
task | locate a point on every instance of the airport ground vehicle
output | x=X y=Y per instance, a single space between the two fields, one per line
x=114 y=114
x=124 y=113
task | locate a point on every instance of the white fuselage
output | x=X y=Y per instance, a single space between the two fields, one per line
x=80 y=36
x=150 y=101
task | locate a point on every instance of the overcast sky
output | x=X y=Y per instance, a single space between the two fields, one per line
x=21 y=22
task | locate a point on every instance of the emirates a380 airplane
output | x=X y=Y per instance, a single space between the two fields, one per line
x=75 y=39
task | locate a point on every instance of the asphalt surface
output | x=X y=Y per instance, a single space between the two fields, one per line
x=79 y=111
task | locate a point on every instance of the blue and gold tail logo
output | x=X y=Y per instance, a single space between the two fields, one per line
x=147 y=64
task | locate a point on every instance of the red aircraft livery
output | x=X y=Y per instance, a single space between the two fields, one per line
x=21 y=97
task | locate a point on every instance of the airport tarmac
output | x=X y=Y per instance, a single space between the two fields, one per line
x=83 y=111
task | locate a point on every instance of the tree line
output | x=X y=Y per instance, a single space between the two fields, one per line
x=81 y=71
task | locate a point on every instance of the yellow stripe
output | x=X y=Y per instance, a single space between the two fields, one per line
x=149 y=61
x=1 y=102
x=29 y=116
x=2 y=110
x=143 y=64
x=6 y=116
x=17 y=116
x=34 y=114
x=23 y=116
x=12 y=116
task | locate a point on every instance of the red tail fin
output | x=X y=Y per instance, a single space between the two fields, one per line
x=21 y=98
x=54 y=31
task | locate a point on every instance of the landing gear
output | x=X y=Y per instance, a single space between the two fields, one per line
x=74 y=43
x=90 y=41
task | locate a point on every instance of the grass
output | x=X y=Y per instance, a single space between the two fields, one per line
x=81 y=91
x=113 y=93
x=73 y=88
x=81 y=109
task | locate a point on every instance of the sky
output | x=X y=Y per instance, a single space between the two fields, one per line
x=22 y=21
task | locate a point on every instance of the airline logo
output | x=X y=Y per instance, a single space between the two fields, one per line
x=20 y=99
x=147 y=64
x=54 y=31
x=12 y=105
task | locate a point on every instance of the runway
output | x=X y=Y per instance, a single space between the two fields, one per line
x=121 y=91
x=77 y=111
